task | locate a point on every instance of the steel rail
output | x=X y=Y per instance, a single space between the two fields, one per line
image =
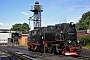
x=16 y=55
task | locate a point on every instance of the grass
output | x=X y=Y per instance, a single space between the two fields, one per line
x=87 y=47
x=24 y=45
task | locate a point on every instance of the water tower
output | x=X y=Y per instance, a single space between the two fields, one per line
x=36 y=9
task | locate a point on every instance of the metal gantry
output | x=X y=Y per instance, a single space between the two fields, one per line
x=36 y=18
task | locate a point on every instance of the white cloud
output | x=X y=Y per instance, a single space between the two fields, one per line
x=24 y=13
x=71 y=20
x=5 y=25
x=1 y=24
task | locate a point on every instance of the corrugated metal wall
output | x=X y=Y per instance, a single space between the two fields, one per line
x=4 y=37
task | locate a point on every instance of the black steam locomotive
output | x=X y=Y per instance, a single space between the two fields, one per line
x=58 y=39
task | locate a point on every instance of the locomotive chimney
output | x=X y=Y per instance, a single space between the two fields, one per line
x=36 y=9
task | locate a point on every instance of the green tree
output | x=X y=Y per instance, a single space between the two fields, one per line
x=21 y=27
x=83 y=23
x=25 y=28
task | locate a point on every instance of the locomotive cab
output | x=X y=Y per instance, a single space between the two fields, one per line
x=34 y=39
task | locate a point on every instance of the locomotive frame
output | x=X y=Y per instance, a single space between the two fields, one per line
x=57 y=39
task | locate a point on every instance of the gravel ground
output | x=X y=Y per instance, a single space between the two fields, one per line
x=84 y=52
x=52 y=57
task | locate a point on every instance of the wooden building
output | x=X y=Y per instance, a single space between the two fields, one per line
x=23 y=39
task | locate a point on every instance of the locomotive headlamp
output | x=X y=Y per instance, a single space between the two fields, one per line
x=69 y=41
x=42 y=37
x=78 y=41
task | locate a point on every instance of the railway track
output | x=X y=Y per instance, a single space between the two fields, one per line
x=15 y=55
x=46 y=56
x=79 y=57
x=4 y=56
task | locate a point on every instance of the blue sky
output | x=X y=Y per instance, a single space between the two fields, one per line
x=54 y=11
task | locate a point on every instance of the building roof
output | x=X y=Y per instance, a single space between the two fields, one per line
x=4 y=29
x=25 y=34
x=9 y=31
x=81 y=30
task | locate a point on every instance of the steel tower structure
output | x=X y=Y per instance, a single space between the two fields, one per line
x=36 y=9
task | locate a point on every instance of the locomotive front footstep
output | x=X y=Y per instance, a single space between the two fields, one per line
x=71 y=53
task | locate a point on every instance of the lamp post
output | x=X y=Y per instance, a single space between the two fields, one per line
x=89 y=27
x=13 y=40
x=44 y=40
x=9 y=37
x=29 y=22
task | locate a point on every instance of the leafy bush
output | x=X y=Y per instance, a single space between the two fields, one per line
x=85 y=39
x=86 y=47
